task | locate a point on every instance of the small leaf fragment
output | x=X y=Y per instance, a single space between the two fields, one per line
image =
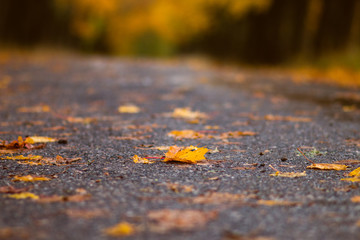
x=187 y=113
x=288 y=174
x=120 y=229
x=23 y=195
x=129 y=108
x=138 y=159
x=191 y=134
x=189 y=154
x=327 y=166
x=276 y=203
x=30 y=178
x=39 y=139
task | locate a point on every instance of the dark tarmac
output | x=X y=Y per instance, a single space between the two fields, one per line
x=231 y=195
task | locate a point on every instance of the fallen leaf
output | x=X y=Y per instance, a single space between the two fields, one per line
x=191 y=134
x=21 y=157
x=355 y=199
x=87 y=214
x=288 y=174
x=138 y=159
x=30 y=178
x=353 y=179
x=23 y=195
x=130 y=108
x=81 y=120
x=286 y=118
x=189 y=154
x=11 y=189
x=219 y=198
x=355 y=173
x=186 y=113
x=34 y=109
x=180 y=188
x=120 y=229
x=236 y=134
x=39 y=139
x=327 y=166
x=57 y=198
x=234 y=236
x=276 y=203
x=185 y=220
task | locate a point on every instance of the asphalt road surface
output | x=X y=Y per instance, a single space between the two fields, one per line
x=254 y=183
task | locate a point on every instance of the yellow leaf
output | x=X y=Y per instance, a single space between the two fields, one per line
x=186 y=113
x=356 y=199
x=191 y=134
x=21 y=157
x=276 y=203
x=23 y=195
x=128 y=109
x=355 y=172
x=30 y=178
x=327 y=166
x=187 y=155
x=120 y=229
x=34 y=109
x=138 y=159
x=288 y=174
x=39 y=139
x=354 y=179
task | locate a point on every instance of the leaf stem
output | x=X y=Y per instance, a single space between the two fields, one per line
x=305 y=156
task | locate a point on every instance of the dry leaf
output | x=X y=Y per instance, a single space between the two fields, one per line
x=87 y=214
x=286 y=118
x=39 y=139
x=276 y=203
x=355 y=199
x=11 y=189
x=218 y=198
x=355 y=173
x=236 y=134
x=180 y=188
x=30 y=178
x=327 y=166
x=353 y=179
x=120 y=229
x=138 y=159
x=186 y=155
x=288 y=174
x=191 y=134
x=23 y=195
x=130 y=108
x=34 y=109
x=21 y=157
x=186 y=113
x=186 y=220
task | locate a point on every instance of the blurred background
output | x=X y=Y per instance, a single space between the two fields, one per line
x=322 y=33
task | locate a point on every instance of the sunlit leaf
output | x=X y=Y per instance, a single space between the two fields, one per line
x=353 y=179
x=128 y=109
x=327 y=166
x=23 y=195
x=276 y=203
x=287 y=118
x=34 y=109
x=120 y=229
x=189 y=154
x=30 y=178
x=191 y=134
x=21 y=157
x=39 y=139
x=355 y=199
x=355 y=172
x=187 y=113
x=288 y=174
x=138 y=159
